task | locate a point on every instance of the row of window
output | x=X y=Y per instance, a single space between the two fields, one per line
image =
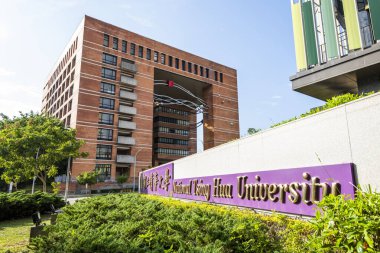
x=108 y=88
x=169 y=151
x=172 y=141
x=171 y=110
x=107 y=103
x=168 y=130
x=103 y=172
x=105 y=118
x=64 y=60
x=104 y=152
x=157 y=57
x=105 y=134
x=171 y=120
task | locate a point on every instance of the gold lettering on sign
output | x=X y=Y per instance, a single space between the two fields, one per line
x=222 y=190
x=272 y=190
x=202 y=189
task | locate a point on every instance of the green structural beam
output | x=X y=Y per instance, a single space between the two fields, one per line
x=309 y=32
x=374 y=9
x=328 y=21
x=352 y=24
x=299 y=42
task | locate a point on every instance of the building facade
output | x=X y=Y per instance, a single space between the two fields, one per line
x=134 y=101
x=337 y=46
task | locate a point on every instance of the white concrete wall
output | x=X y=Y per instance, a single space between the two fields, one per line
x=348 y=133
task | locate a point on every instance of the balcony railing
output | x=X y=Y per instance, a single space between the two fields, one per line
x=128 y=81
x=126 y=140
x=128 y=95
x=127 y=124
x=125 y=159
x=128 y=66
x=127 y=109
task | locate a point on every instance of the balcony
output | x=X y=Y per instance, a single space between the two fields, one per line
x=128 y=66
x=128 y=81
x=125 y=159
x=126 y=140
x=127 y=109
x=128 y=95
x=127 y=124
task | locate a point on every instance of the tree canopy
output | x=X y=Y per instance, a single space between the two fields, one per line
x=33 y=144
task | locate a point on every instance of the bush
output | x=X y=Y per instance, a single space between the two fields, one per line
x=20 y=204
x=330 y=103
x=121 y=179
x=347 y=225
x=142 y=223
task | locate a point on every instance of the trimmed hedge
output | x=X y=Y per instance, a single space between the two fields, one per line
x=20 y=204
x=141 y=223
x=144 y=223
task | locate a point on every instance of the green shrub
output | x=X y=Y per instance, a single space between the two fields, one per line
x=347 y=225
x=142 y=223
x=330 y=103
x=121 y=179
x=20 y=204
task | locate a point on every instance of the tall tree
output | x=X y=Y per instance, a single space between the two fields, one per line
x=33 y=144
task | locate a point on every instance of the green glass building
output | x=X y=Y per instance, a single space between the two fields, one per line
x=336 y=46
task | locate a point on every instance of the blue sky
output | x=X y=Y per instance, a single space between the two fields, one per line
x=255 y=37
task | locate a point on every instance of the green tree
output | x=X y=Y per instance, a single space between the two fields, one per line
x=33 y=144
x=87 y=178
x=253 y=130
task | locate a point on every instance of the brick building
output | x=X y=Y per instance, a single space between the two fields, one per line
x=134 y=101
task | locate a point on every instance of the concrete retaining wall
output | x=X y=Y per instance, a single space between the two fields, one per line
x=346 y=134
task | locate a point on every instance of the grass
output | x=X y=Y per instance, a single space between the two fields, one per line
x=14 y=234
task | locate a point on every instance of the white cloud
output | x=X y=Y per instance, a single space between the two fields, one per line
x=140 y=20
x=19 y=97
x=3 y=32
x=5 y=72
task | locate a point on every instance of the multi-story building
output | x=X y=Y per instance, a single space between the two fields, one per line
x=337 y=46
x=134 y=101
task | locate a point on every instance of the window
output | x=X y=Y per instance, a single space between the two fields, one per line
x=106 y=118
x=207 y=72
x=107 y=103
x=189 y=65
x=176 y=63
x=105 y=134
x=109 y=59
x=172 y=131
x=133 y=49
x=107 y=88
x=215 y=76
x=163 y=58
x=172 y=141
x=106 y=40
x=124 y=46
x=155 y=56
x=170 y=61
x=141 y=51
x=169 y=151
x=201 y=70
x=171 y=120
x=109 y=73
x=103 y=172
x=115 y=43
x=103 y=152
x=183 y=65
x=221 y=77
x=148 y=54
x=196 y=69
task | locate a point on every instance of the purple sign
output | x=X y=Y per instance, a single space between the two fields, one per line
x=293 y=191
x=158 y=181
